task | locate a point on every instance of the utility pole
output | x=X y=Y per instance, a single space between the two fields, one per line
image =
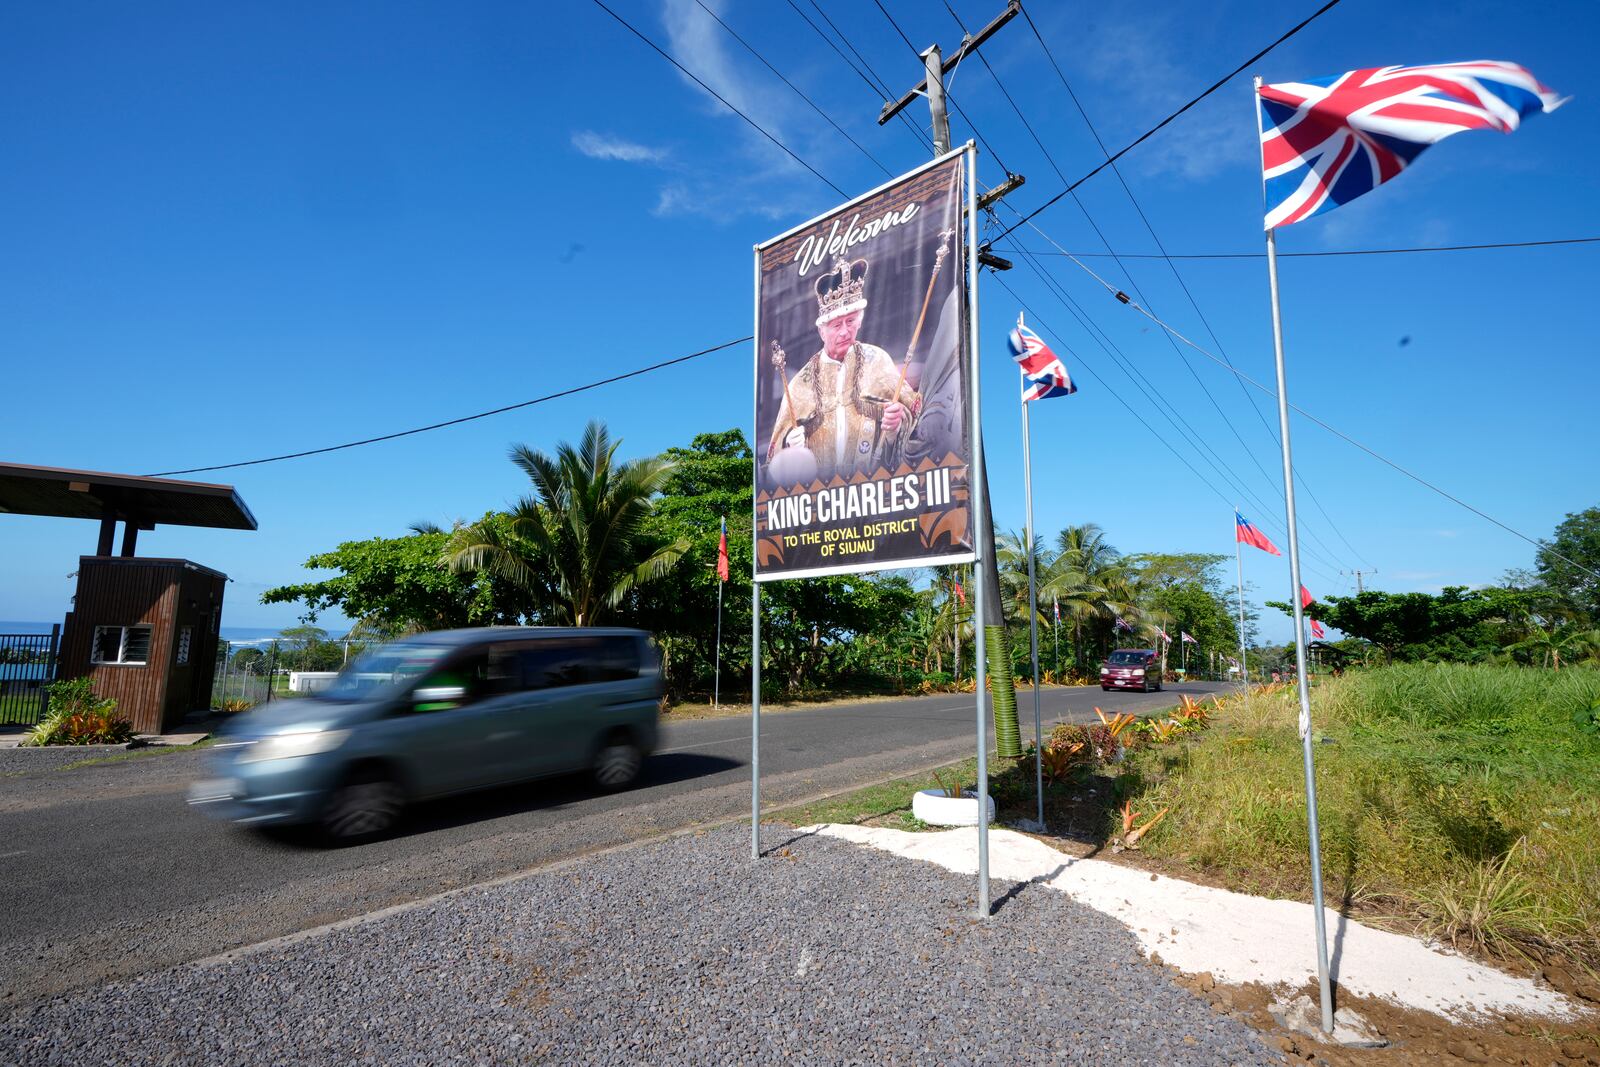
x=1358 y=574
x=935 y=67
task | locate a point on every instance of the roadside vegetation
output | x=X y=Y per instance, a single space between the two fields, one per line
x=1455 y=801
x=75 y=716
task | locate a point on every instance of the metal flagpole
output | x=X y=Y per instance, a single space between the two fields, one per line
x=1055 y=632
x=1299 y=624
x=1238 y=559
x=1033 y=603
x=716 y=684
x=980 y=662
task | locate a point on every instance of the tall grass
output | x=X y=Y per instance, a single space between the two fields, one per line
x=1464 y=798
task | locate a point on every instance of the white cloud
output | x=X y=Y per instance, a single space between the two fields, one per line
x=603 y=146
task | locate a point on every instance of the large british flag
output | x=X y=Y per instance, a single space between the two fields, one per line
x=1325 y=141
x=1043 y=373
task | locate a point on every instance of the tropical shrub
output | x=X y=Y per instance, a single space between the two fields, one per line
x=76 y=717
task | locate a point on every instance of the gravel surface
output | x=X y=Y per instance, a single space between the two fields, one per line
x=681 y=951
x=52 y=757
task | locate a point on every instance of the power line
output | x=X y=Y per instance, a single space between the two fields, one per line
x=881 y=92
x=826 y=117
x=1122 y=298
x=1167 y=410
x=987 y=147
x=1127 y=189
x=1222 y=466
x=465 y=418
x=1219 y=83
x=1344 y=252
x=688 y=74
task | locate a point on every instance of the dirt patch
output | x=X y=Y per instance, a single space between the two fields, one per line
x=1416 y=1038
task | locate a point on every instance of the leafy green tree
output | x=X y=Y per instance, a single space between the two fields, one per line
x=576 y=545
x=1573 y=584
x=1418 y=626
x=396 y=585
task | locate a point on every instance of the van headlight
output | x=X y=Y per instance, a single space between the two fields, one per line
x=288 y=746
x=1139 y=673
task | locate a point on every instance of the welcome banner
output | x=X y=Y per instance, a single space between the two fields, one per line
x=863 y=437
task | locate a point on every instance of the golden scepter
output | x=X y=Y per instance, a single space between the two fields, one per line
x=938 y=262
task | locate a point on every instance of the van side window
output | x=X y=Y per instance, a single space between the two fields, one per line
x=562 y=661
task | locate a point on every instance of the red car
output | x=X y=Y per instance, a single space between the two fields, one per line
x=1131 y=668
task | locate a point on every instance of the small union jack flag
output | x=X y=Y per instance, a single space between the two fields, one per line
x=1326 y=141
x=1055 y=603
x=1124 y=624
x=1043 y=375
x=1184 y=637
x=1245 y=533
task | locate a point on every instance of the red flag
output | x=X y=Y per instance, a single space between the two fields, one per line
x=722 y=553
x=1246 y=533
x=961 y=594
x=1306 y=600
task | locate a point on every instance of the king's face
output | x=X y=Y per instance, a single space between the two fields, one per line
x=839 y=334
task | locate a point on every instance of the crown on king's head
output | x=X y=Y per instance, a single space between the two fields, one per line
x=841 y=290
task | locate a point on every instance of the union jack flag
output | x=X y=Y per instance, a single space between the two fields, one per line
x=1043 y=375
x=1056 y=604
x=1244 y=532
x=1124 y=624
x=1326 y=141
x=1186 y=638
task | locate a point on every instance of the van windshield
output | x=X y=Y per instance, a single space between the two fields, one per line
x=1128 y=659
x=381 y=672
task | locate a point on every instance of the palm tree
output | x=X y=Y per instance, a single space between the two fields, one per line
x=1088 y=578
x=577 y=544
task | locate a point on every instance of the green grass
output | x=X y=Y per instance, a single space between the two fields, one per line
x=886 y=804
x=1460 y=798
x=136 y=754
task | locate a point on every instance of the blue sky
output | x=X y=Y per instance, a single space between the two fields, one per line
x=244 y=229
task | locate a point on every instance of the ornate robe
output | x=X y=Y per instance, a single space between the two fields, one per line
x=838 y=404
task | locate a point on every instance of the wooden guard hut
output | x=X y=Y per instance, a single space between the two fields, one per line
x=145 y=630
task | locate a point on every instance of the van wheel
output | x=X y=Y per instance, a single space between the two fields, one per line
x=618 y=762
x=365 y=805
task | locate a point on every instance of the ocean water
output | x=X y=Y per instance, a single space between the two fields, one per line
x=234 y=635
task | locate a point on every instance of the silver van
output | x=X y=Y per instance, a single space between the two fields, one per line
x=436 y=714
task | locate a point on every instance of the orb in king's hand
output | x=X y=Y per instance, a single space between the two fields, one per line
x=791 y=467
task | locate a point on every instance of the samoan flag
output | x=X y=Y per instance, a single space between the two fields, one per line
x=1246 y=533
x=1326 y=141
x=1043 y=374
x=1306 y=600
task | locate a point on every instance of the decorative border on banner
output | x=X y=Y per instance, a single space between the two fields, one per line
x=842 y=208
x=866 y=568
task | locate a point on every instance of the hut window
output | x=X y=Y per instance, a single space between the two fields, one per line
x=127 y=645
x=183 y=645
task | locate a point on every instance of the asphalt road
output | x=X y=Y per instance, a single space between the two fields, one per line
x=105 y=872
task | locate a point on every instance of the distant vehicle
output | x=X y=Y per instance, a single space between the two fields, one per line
x=436 y=714
x=1131 y=668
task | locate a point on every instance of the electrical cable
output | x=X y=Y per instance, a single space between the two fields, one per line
x=826 y=117
x=1165 y=408
x=687 y=73
x=1122 y=298
x=465 y=418
x=882 y=93
x=1343 y=252
x=1146 y=135
x=1250 y=399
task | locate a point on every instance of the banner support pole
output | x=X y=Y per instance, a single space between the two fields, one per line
x=980 y=666
x=755 y=586
x=1033 y=608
